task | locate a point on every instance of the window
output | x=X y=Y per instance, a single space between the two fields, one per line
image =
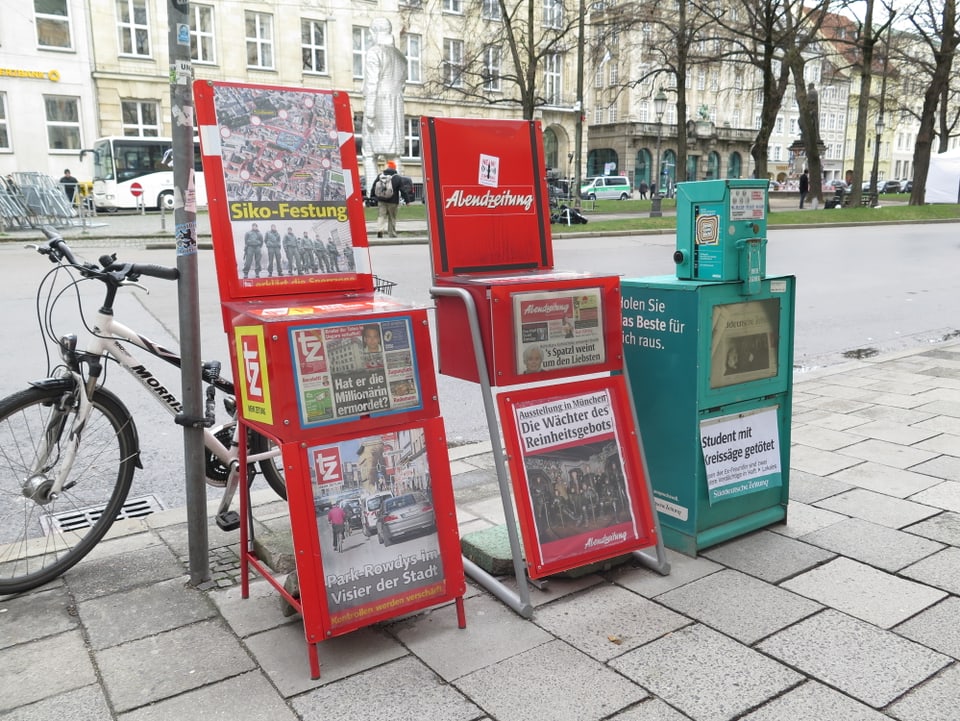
x=63 y=122
x=53 y=23
x=313 y=43
x=612 y=114
x=414 y=43
x=490 y=10
x=259 y=29
x=359 y=50
x=553 y=14
x=453 y=6
x=453 y=62
x=598 y=115
x=551 y=79
x=202 y=47
x=614 y=73
x=778 y=125
x=133 y=25
x=411 y=138
x=714 y=80
x=701 y=79
x=491 y=68
x=140 y=118
x=4 y=129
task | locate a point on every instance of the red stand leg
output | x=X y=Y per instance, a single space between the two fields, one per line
x=461 y=613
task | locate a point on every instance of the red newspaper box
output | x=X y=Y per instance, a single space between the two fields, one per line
x=490 y=236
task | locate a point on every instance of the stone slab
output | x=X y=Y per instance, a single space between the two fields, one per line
x=859 y=659
x=21 y=679
x=876 y=545
x=877 y=508
x=705 y=674
x=401 y=689
x=546 y=683
x=936 y=628
x=768 y=556
x=864 y=592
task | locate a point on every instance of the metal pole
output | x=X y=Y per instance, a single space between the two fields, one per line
x=578 y=134
x=655 y=211
x=185 y=223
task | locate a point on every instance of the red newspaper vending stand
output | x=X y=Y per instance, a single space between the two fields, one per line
x=339 y=376
x=492 y=259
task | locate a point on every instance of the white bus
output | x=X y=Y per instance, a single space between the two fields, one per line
x=122 y=163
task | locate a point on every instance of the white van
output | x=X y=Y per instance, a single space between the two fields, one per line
x=606 y=187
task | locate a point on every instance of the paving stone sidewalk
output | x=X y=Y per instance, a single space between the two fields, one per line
x=850 y=610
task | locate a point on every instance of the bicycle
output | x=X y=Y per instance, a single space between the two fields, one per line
x=69 y=446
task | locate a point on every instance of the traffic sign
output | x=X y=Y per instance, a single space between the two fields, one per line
x=136 y=190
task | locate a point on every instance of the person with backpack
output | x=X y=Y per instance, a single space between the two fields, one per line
x=386 y=189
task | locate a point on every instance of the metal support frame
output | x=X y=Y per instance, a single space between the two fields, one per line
x=519 y=601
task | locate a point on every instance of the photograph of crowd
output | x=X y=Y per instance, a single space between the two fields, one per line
x=577 y=490
x=296 y=248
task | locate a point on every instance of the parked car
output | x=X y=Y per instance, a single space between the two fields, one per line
x=837 y=184
x=776 y=185
x=354 y=514
x=404 y=515
x=371 y=508
x=888 y=186
x=906 y=185
x=606 y=187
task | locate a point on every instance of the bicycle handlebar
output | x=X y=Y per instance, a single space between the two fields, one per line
x=58 y=249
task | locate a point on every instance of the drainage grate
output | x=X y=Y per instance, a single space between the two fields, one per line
x=75 y=520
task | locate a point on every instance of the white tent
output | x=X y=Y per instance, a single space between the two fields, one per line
x=943 y=178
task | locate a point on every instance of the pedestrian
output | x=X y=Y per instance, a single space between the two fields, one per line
x=69 y=185
x=804 y=186
x=386 y=189
x=273 y=243
x=252 y=245
x=643 y=189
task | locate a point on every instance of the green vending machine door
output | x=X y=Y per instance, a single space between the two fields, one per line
x=711 y=376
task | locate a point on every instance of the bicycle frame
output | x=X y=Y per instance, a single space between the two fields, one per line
x=108 y=340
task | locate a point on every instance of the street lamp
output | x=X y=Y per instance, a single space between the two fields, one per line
x=570 y=175
x=659 y=106
x=876 y=160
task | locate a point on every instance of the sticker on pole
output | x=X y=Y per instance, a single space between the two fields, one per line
x=741 y=453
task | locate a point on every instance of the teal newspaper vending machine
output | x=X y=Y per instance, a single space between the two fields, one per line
x=709 y=355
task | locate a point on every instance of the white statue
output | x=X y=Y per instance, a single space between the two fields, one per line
x=383 y=79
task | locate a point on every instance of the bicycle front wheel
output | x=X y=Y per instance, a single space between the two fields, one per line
x=41 y=537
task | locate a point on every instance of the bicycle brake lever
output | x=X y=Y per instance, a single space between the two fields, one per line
x=137 y=285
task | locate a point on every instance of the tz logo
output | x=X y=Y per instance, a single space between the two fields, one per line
x=327 y=463
x=251 y=366
x=311 y=348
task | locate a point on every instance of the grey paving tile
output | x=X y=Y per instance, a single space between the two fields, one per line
x=864 y=592
x=719 y=601
x=82 y=704
x=887 y=453
x=938 y=699
x=374 y=696
x=21 y=679
x=151 y=669
x=282 y=654
x=652 y=709
x=825 y=439
x=945 y=495
x=886 y=479
x=557 y=587
x=815 y=702
x=493 y=633
x=878 y=508
x=247 y=697
x=936 y=628
x=870 y=664
x=142 y=611
x=941 y=424
x=261 y=610
x=837 y=405
x=942 y=443
x=768 y=556
x=879 y=546
x=819 y=462
x=809 y=488
x=899 y=433
x=705 y=674
x=945 y=467
x=651 y=584
x=940 y=570
x=569 y=685
x=803 y=519
x=944 y=528
x=894 y=407
x=35 y=615
x=825 y=419
x=121 y=571
x=608 y=621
